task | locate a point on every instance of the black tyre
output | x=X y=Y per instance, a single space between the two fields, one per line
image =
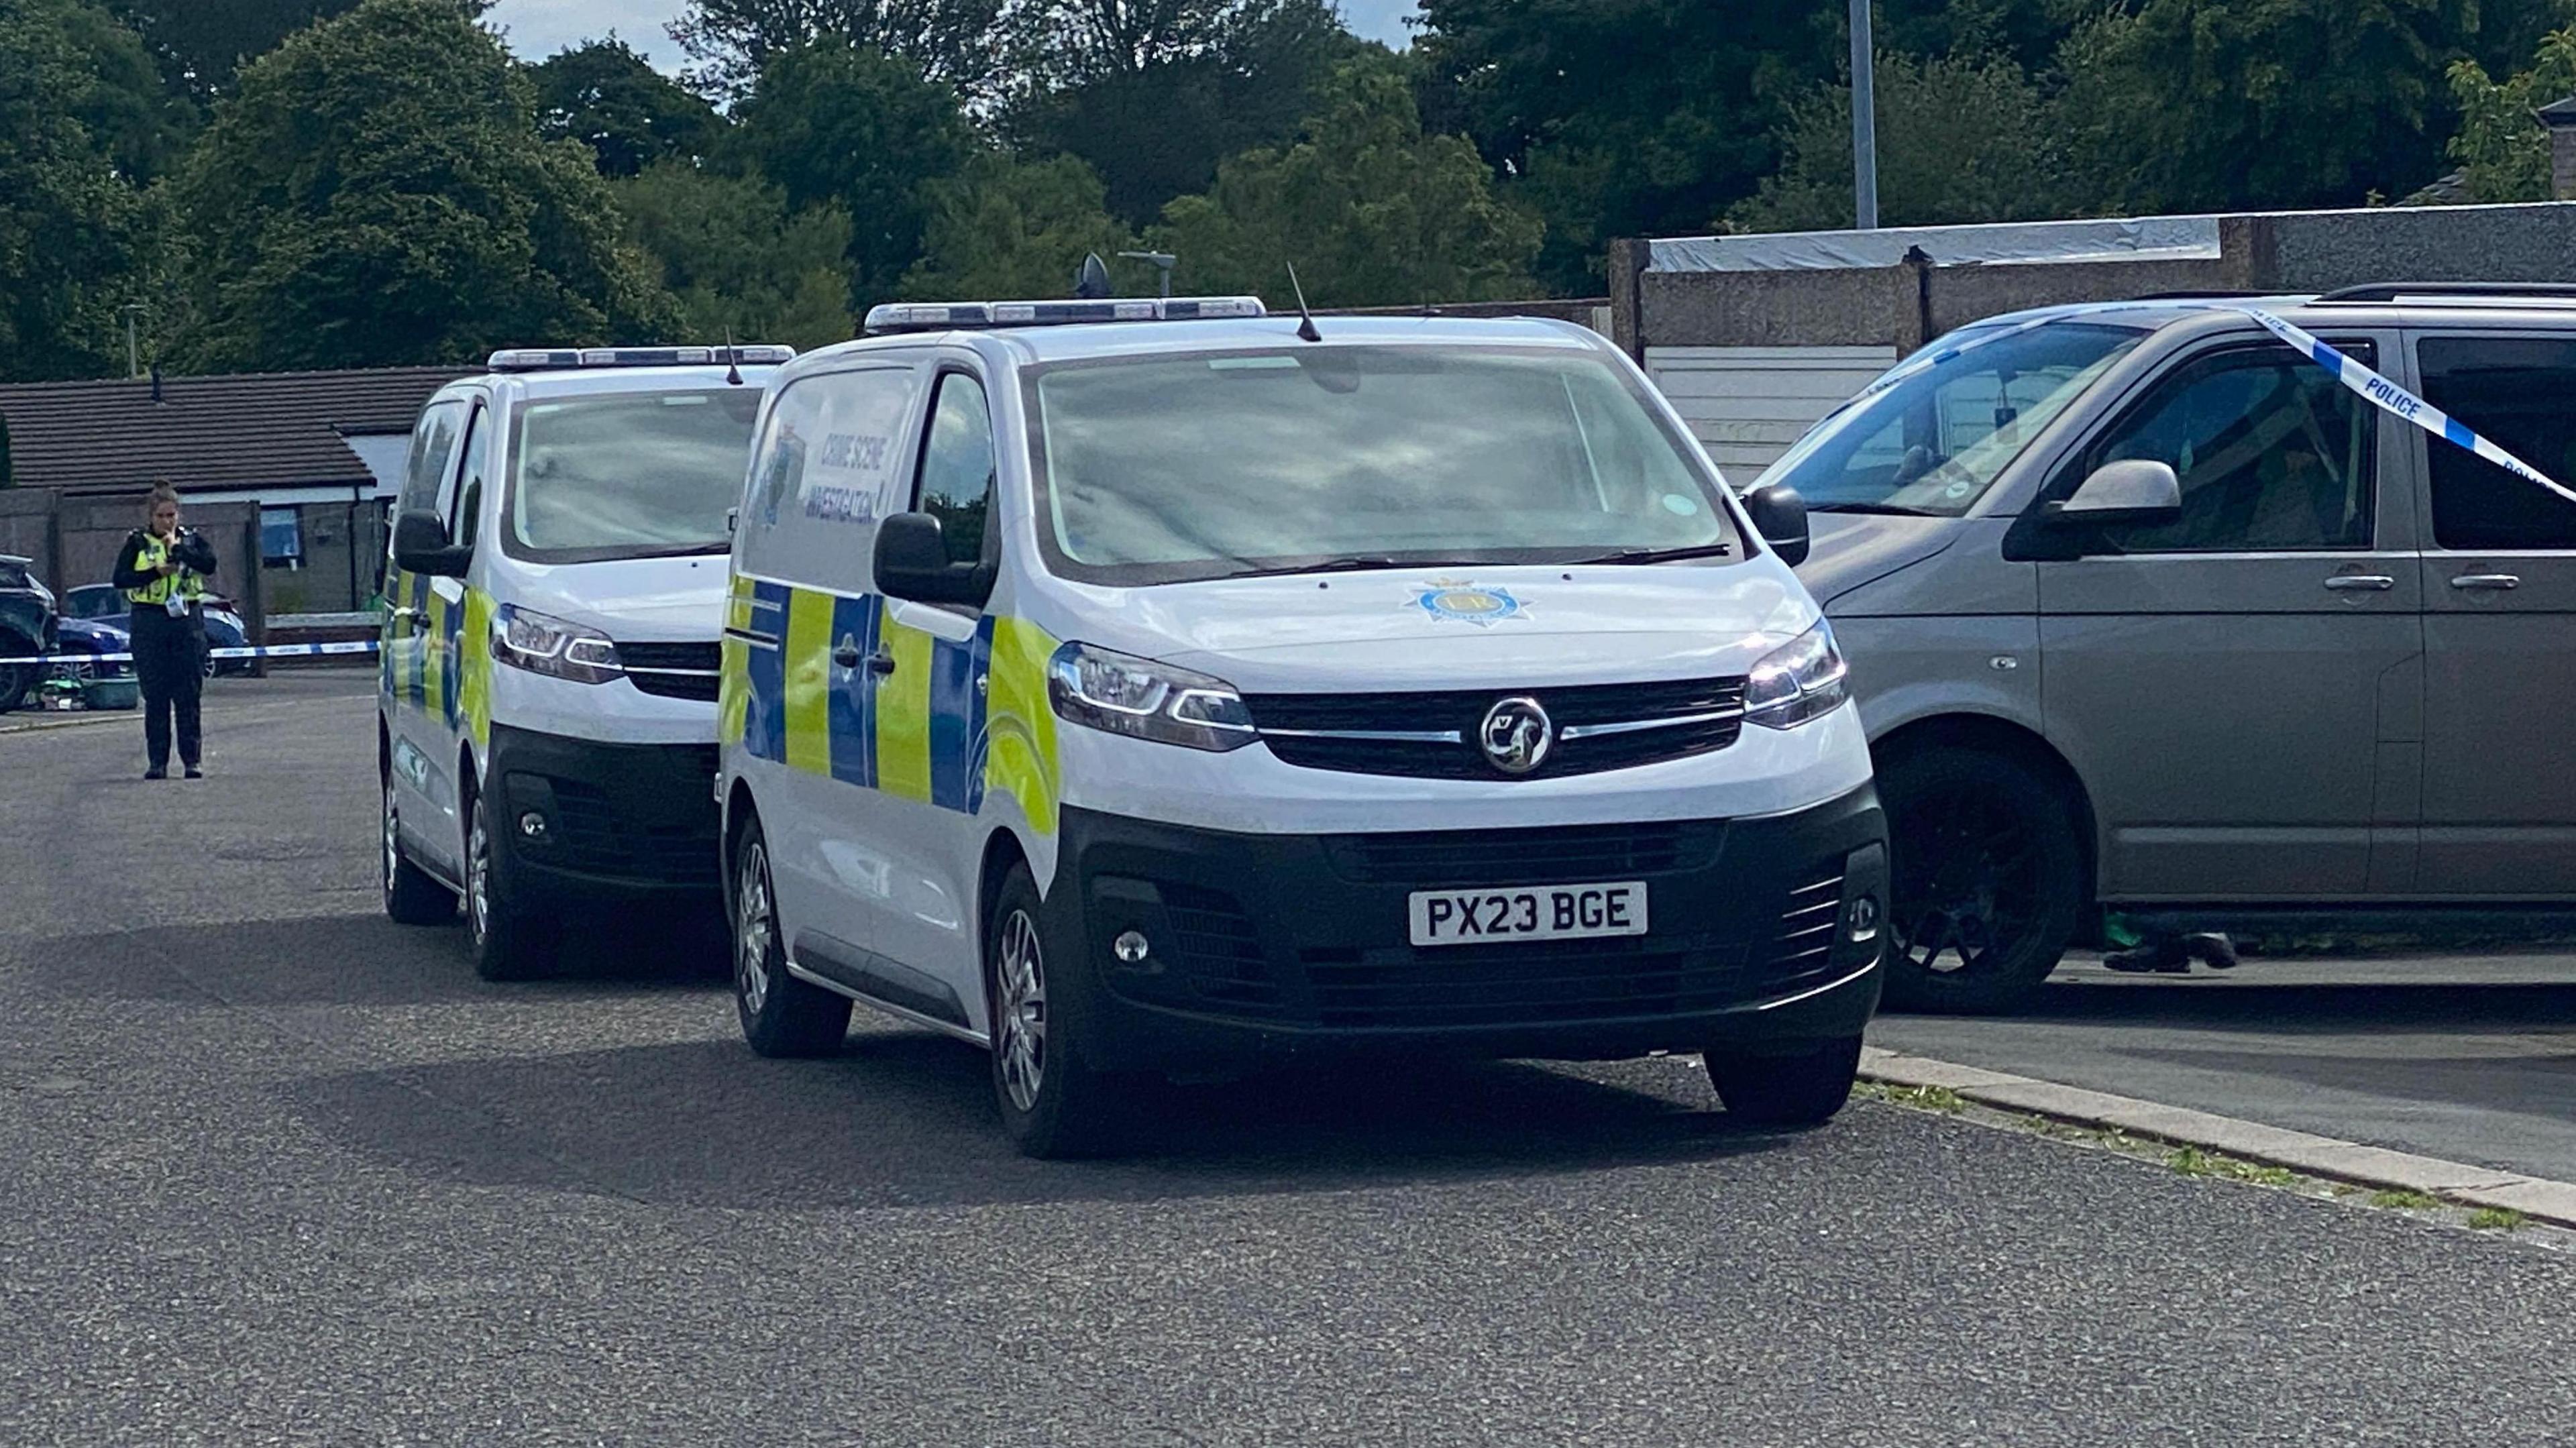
x=411 y=896
x=1053 y=1103
x=781 y=1015
x=1805 y=1089
x=15 y=679
x=510 y=942
x=1989 y=880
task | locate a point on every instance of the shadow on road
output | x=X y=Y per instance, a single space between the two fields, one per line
x=904 y=1118
x=347 y=960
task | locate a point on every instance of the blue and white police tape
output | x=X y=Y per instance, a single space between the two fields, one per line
x=2373 y=388
x=265 y=651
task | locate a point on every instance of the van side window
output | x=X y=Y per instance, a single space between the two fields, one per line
x=2273 y=453
x=833 y=456
x=2521 y=392
x=433 y=447
x=460 y=504
x=956 y=484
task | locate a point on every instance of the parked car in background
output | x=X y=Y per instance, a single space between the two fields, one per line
x=2147 y=611
x=105 y=603
x=27 y=620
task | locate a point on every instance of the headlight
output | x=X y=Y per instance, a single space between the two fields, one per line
x=543 y=645
x=1802 y=679
x=1146 y=700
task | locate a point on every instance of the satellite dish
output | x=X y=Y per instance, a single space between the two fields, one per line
x=1091 y=280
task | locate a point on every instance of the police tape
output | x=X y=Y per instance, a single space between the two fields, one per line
x=264 y=651
x=2372 y=387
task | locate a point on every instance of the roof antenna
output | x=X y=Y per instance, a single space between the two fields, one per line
x=1091 y=279
x=156 y=383
x=733 y=363
x=1305 y=319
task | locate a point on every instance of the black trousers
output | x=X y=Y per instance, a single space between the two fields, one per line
x=169 y=661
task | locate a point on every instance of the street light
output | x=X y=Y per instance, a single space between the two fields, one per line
x=1163 y=262
x=1864 y=66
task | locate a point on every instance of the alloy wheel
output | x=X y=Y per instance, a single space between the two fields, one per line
x=754 y=930
x=392 y=860
x=1968 y=882
x=478 y=878
x=1020 y=1017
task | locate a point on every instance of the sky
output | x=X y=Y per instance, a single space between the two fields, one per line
x=539 y=28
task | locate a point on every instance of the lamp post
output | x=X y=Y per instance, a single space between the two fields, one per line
x=1864 y=68
x=1163 y=262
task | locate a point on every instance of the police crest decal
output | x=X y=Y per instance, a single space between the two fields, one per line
x=1457 y=602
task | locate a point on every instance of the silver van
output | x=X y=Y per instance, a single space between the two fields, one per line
x=2147 y=611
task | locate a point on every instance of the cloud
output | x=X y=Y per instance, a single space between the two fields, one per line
x=539 y=28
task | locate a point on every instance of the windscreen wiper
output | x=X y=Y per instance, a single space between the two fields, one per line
x=1355 y=565
x=1662 y=555
x=1886 y=510
x=692 y=550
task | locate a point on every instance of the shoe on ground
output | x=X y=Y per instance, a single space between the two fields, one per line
x=195 y=773
x=156 y=774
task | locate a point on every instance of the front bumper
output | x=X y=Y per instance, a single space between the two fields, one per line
x=1292 y=944
x=618 y=820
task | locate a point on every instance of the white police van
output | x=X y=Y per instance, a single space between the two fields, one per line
x=546 y=715
x=1132 y=687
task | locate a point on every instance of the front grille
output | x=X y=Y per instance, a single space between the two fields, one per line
x=1327 y=731
x=1555 y=855
x=1519 y=984
x=592 y=836
x=674 y=671
x=1800 y=947
x=1219 y=952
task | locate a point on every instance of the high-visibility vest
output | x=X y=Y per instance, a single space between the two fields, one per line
x=156 y=594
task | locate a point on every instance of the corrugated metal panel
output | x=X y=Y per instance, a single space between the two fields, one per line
x=1746 y=405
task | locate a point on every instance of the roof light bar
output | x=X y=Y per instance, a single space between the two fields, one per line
x=548 y=359
x=973 y=316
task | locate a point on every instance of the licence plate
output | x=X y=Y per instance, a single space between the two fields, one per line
x=1538 y=912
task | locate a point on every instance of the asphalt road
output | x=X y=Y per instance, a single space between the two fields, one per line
x=279 y=1171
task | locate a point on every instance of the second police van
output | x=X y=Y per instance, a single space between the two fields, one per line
x=545 y=729
x=1138 y=687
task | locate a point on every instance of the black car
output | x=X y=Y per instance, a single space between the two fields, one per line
x=105 y=603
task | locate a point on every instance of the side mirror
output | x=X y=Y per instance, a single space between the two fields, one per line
x=421 y=546
x=1780 y=516
x=2134 y=490
x=912 y=564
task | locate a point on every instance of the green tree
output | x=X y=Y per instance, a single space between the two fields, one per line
x=73 y=224
x=604 y=95
x=374 y=192
x=733 y=42
x=2500 y=143
x=1961 y=139
x=1372 y=211
x=842 y=124
x=1621 y=117
x=2204 y=105
x=1153 y=93
x=202 y=43
x=1003 y=227
x=737 y=260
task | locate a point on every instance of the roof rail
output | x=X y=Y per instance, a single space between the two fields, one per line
x=2194 y=294
x=974 y=316
x=2391 y=291
x=547 y=359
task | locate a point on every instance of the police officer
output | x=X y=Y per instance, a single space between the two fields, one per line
x=163 y=569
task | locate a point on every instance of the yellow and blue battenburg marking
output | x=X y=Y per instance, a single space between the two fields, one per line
x=918 y=731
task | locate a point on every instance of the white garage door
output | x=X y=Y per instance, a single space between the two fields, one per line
x=1748 y=404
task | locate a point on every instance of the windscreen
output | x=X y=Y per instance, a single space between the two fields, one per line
x=1933 y=443
x=629 y=474
x=1167 y=469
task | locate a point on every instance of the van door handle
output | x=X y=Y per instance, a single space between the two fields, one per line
x=2361 y=583
x=847 y=655
x=2487 y=582
x=881 y=663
